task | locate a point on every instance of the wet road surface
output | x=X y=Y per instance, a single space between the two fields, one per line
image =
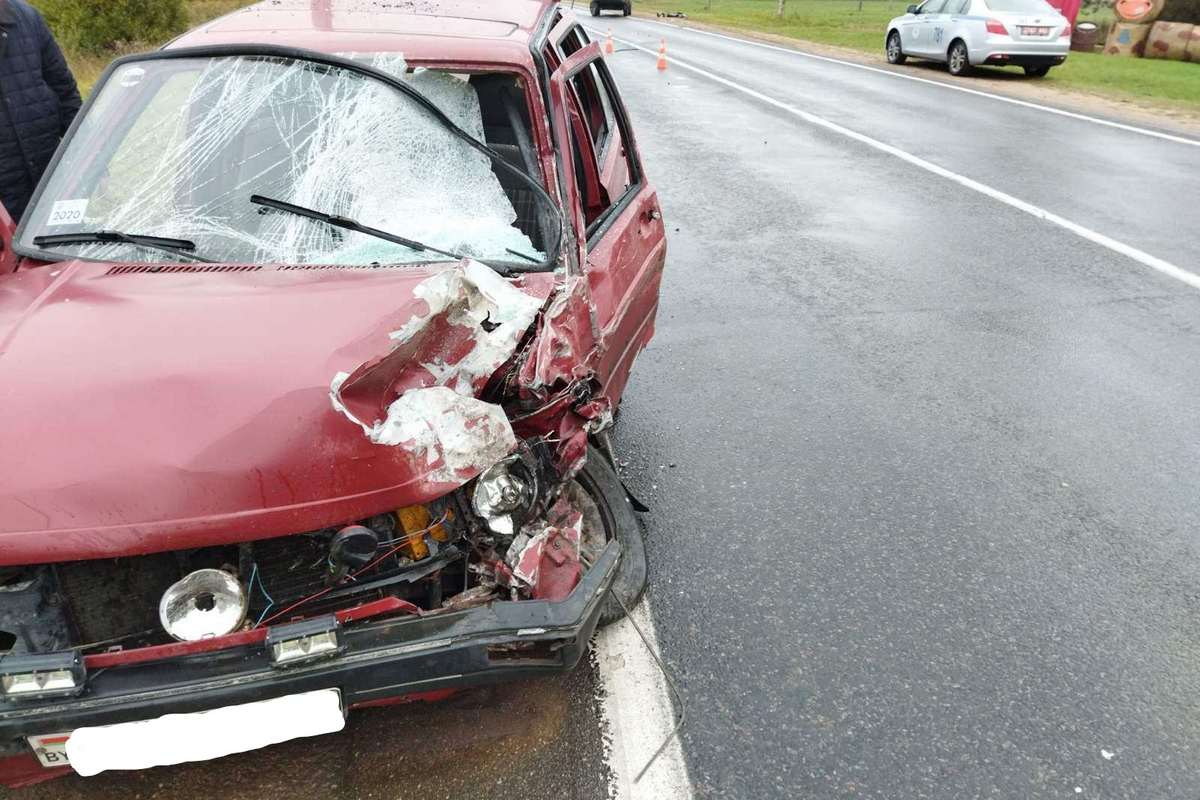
x=920 y=465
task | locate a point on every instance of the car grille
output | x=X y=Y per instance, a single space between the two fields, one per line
x=114 y=602
x=115 y=599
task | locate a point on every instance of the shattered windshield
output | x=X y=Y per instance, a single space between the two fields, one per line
x=175 y=149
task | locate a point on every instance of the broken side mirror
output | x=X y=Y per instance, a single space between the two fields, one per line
x=8 y=259
x=914 y=9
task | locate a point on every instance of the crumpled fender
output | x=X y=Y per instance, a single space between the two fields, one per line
x=423 y=394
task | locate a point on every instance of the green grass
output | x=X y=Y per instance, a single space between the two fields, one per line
x=837 y=22
x=860 y=26
x=87 y=67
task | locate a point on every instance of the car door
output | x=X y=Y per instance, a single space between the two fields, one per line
x=929 y=21
x=617 y=214
x=957 y=26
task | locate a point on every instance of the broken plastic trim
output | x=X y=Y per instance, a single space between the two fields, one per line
x=300 y=54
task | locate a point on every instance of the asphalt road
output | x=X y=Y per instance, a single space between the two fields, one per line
x=921 y=465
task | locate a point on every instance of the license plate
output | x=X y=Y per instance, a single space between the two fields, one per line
x=51 y=749
x=202 y=736
x=1034 y=30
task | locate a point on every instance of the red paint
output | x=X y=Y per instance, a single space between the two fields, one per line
x=150 y=412
x=435 y=696
x=18 y=772
x=175 y=411
x=1068 y=8
x=121 y=658
x=180 y=410
x=559 y=570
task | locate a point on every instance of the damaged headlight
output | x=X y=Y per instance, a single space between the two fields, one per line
x=505 y=494
x=206 y=603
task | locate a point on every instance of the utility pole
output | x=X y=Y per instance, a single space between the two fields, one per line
x=779 y=9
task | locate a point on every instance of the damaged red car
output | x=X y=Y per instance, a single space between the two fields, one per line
x=310 y=343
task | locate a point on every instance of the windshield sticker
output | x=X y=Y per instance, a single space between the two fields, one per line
x=67 y=212
x=132 y=76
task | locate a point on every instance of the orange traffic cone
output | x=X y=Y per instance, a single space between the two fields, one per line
x=608 y=45
x=662 y=56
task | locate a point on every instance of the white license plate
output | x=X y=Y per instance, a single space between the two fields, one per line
x=179 y=738
x=1030 y=30
x=51 y=749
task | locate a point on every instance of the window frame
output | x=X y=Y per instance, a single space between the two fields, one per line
x=555 y=29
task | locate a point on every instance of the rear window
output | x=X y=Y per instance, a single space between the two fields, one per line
x=1021 y=6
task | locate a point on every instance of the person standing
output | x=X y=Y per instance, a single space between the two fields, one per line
x=38 y=101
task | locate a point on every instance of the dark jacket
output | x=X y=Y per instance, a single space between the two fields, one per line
x=38 y=100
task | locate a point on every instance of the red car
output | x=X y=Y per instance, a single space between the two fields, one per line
x=310 y=341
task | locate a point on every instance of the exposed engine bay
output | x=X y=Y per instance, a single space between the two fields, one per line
x=433 y=558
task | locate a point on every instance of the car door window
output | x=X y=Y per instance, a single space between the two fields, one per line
x=605 y=169
x=957 y=7
x=933 y=6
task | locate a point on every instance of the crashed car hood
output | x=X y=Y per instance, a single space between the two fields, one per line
x=152 y=408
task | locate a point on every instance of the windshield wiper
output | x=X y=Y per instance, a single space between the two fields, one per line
x=179 y=247
x=348 y=224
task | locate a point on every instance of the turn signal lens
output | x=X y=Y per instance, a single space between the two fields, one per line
x=41 y=675
x=997 y=27
x=304 y=641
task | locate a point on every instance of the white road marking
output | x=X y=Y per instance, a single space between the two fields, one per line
x=1153 y=262
x=637 y=708
x=943 y=84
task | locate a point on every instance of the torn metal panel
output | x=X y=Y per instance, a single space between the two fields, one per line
x=545 y=556
x=474 y=320
x=458 y=436
x=566 y=343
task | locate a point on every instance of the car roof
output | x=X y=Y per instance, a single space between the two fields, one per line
x=436 y=31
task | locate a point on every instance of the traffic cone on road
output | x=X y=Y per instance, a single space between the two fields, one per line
x=662 y=56
x=608 y=45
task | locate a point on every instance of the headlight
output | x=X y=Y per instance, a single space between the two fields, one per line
x=504 y=494
x=206 y=603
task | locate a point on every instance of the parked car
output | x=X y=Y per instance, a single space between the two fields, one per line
x=309 y=362
x=965 y=33
x=624 y=6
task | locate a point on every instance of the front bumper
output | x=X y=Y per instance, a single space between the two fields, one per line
x=379 y=660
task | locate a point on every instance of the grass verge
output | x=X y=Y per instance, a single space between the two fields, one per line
x=87 y=67
x=861 y=25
